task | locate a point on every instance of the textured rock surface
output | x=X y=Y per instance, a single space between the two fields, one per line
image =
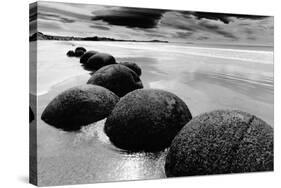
x=117 y=78
x=146 y=120
x=70 y=53
x=84 y=58
x=132 y=66
x=79 y=106
x=221 y=142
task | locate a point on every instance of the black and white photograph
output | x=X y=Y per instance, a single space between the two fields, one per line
x=128 y=93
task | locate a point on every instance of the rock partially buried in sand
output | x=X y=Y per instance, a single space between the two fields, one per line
x=31 y=115
x=79 y=106
x=70 y=53
x=221 y=142
x=146 y=120
x=99 y=60
x=84 y=58
x=117 y=78
x=79 y=53
x=80 y=49
x=132 y=66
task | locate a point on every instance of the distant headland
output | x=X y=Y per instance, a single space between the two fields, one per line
x=41 y=36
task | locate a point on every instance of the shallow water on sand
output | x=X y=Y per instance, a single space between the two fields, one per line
x=205 y=78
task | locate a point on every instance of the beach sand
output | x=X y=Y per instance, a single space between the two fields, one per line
x=205 y=78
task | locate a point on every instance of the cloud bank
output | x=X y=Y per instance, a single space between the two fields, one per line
x=147 y=24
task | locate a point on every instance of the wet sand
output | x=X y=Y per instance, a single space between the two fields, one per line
x=205 y=79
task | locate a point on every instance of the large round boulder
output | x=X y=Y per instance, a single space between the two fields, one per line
x=84 y=58
x=99 y=60
x=146 y=120
x=117 y=78
x=132 y=66
x=79 y=106
x=221 y=142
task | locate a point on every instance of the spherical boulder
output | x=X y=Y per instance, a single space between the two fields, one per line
x=80 y=49
x=70 y=53
x=99 y=60
x=117 y=78
x=146 y=120
x=221 y=142
x=79 y=106
x=132 y=66
x=31 y=115
x=84 y=58
x=79 y=53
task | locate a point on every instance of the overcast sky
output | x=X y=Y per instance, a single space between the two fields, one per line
x=147 y=24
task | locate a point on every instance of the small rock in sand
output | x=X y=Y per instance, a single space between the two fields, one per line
x=70 y=53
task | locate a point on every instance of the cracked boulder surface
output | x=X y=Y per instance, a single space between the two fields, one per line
x=220 y=142
x=146 y=120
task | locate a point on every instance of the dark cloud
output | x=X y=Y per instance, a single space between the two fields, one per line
x=244 y=24
x=252 y=38
x=49 y=26
x=32 y=26
x=144 y=24
x=249 y=31
x=183 y=35
x=216 y=29
x=190 y=26
x=187 y=27
x=207 y=25
x=55 y=17
x=32 y=12
x=100 y=27
x=156 y=35
x=202 y=38
x=130 y=17
x=225 y=34
x=150 y=32
x=65 y=12
x=223 y=17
